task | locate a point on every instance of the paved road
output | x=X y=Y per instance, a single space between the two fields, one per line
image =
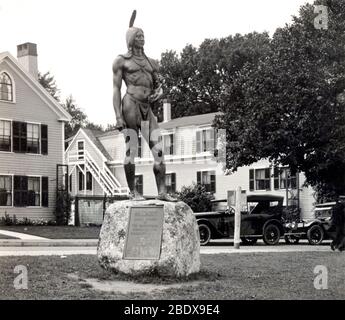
x=216 y=247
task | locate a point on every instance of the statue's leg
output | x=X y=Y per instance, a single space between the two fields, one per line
x=130 y=116
x=151 y=133
x=153 y=136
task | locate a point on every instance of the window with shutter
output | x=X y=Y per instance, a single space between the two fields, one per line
x=198 y=177
x=5 y=135
x=207 y=179
x=44 y=139
x=268 y=179
x=170 y=182
x=276 y=178
x=263 y=179
x=19 y=136
x=5 y=191
x=213 y=182
x=168 y=144
x=81 y=181
x=20 y=188
x=32 y=138
x=198 y=142
x=172 y=144
x=45 y=192
x=88 y=181
x=34 y=192
x=251 y=180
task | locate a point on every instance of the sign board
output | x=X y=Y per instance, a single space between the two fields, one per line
x=144 y=233
x=232 y=198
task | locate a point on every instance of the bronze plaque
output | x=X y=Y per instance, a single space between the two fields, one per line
x=144 y=234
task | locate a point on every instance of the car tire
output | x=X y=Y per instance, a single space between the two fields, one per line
x=315 y=234
x=205 y=234
x=271 y=235
x=292 y=239
x=249 y=241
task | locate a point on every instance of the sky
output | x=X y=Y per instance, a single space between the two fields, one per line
x=79 y=39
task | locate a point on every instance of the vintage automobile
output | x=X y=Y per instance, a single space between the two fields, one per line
x=260 y=219
x=316 y=229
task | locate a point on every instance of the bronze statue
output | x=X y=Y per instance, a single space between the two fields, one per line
x=140 y=74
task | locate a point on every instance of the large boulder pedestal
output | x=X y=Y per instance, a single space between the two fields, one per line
x=180 y=247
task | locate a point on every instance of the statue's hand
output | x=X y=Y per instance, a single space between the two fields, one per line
x=120 y=124
x=156 y=95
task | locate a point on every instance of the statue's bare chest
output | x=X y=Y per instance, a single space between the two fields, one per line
x=133 y=66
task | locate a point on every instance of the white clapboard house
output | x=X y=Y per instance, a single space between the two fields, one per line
x=31 y=138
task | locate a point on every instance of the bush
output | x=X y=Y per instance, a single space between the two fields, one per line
x=13 y=221
x=63 y=208
x=196 y=197
x=7 y=220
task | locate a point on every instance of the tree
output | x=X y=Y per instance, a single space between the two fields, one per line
x=48 y=82
x=79 y=118
x=195 y=80
x=289 y=107
x=196 y=197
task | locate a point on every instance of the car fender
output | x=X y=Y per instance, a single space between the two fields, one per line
x=309 y=224
x=277 y=223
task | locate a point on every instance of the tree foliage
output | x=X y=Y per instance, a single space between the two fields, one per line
x=196 y=197
x=289 y=107
x=195 y=79
x=48 y=82
x=79 y=118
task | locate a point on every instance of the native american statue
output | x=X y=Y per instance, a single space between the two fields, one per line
x=140 y=75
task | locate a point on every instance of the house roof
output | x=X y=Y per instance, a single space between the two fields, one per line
x=35 y=85
x=198 y=120
x=93 y=135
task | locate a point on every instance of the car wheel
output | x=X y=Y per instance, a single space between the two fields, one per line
x=248 y=241
x=205 y=234
x=315 y=234
x=271 y=234
x=292 y=239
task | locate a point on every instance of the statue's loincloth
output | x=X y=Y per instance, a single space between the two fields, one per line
x=143 y=109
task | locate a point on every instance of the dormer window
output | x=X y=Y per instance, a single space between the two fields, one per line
x=6 y=87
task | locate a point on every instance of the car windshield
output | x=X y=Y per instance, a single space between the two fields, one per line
x=263 y=207
x=323 y=212
x=219 y=206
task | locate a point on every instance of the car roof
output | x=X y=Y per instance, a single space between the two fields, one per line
x=264 y=197
x=326 y=204
x=257 y=197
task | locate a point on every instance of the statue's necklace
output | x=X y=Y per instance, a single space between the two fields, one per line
x=135 y=59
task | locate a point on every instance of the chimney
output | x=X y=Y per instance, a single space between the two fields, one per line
x=27 y=57
x=166 y=110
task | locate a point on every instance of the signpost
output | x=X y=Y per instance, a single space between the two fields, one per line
x=144 y=234
x=237 y=238
x=237 y=199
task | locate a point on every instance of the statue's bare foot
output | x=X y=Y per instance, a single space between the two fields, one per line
x=166 y=197
x=135 y=196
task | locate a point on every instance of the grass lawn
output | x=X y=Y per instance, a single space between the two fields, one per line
x=57 y=232
x=232 y=276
